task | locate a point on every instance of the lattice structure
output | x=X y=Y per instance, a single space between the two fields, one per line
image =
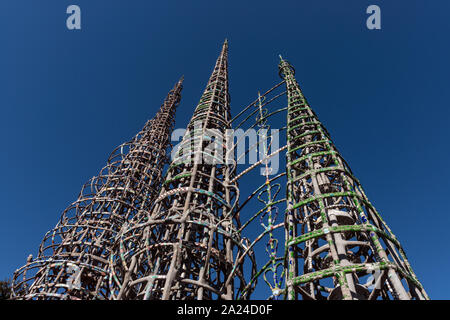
x=335 y=238
x=72 y=262
x=134 y=235
x=268 y=192
x=186 y=247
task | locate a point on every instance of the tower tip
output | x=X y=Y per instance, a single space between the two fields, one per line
x=180 y=81
x=225 y=46
x=281 y=58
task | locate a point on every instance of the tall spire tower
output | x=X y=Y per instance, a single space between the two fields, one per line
x=338 y=245
x=184 y=248
x=72 y=262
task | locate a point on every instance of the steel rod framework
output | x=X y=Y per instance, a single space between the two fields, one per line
x=335 y=238
x=185 y=248
x=133 y=234
x=73 y=258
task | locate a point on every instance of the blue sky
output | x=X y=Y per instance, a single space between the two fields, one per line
x=68 y=98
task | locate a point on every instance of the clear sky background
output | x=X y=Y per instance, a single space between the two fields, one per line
x=68 y=98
